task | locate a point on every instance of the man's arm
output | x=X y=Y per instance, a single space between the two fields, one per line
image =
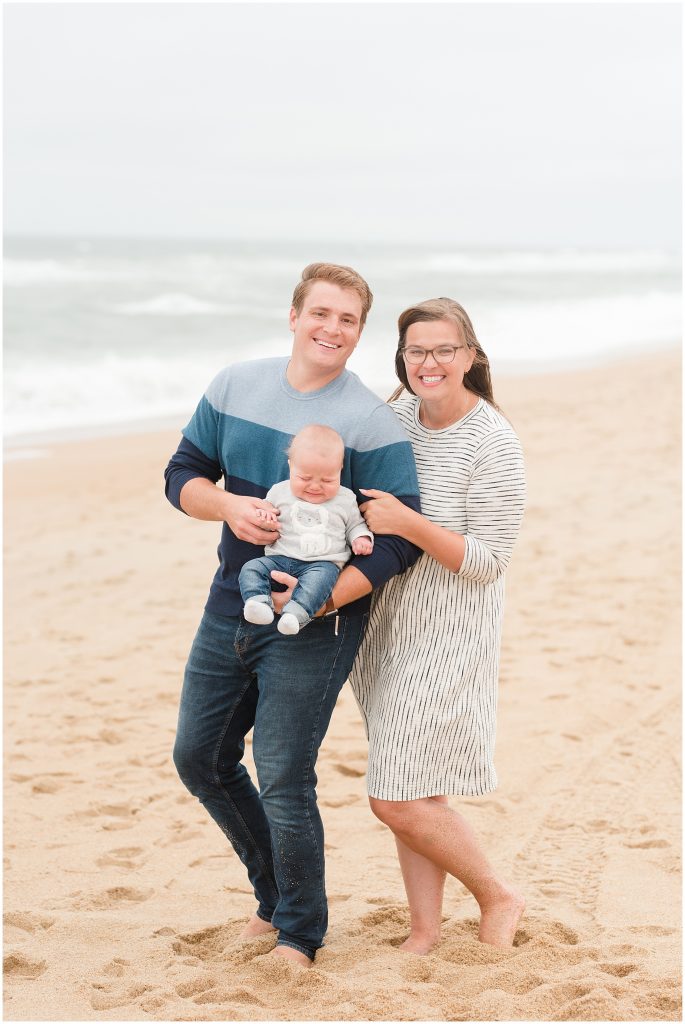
x=350 y=585
x=191 y=487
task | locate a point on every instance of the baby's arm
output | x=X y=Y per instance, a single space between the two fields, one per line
x=270 y=515
x=359 y=536
x=362 y=546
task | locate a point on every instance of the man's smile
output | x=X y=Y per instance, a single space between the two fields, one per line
x=326 y=344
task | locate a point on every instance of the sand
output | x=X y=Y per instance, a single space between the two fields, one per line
x=122 y=900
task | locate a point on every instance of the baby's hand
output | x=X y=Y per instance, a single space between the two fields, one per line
x=362 y=546
x=266 y=515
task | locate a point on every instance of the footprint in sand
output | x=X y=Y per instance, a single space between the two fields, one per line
x=26 y=921
x=648 y=844
x=618 y=970
x=348 y=770
x=188 y=989
x=20 y=966
x=123 y=810
x=103 y=998
x=47 y=783
x=122 y=857
x=180 y=833
x=342 y=802
x=111 y=898
x=116 y=968
x=215 y=862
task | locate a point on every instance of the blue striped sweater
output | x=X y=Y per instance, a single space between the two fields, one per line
x=240 y=431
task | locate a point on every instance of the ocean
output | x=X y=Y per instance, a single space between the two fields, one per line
x=126 y=334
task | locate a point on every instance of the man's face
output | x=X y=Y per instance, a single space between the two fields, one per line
x=327 y=328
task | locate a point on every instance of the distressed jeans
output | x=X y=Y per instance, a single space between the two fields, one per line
x=241 y=676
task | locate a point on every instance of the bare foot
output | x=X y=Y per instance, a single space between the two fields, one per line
x=499 y=920
x=288 y=953
x=419 y=944
x=256 y=926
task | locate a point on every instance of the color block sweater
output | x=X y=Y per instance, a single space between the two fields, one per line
x=241 y=430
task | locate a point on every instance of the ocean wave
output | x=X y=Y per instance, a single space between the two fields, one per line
x=560 y=261
x=174 y=304
x=19 y=273
x=46 y=393
x=110 y=390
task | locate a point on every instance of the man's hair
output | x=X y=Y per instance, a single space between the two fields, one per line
x=344 y=277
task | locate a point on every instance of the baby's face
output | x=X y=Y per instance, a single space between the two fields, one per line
x=314 y=476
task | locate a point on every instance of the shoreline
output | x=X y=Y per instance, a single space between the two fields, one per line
x=31 y=444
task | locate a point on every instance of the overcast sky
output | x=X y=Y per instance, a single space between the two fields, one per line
x=517 y=124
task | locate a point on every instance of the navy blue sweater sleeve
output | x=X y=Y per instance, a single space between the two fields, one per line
x=391 y=554
x=387 y=467
x=187 y=463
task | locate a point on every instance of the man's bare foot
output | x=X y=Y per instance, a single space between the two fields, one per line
x=499 y=920
x=288 y=953
x=419 y=943
x=256 y=926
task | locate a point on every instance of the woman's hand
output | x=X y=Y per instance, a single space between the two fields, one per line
x=280 y=598
x=385 y=513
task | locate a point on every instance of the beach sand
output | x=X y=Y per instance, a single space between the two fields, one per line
x=122 y=899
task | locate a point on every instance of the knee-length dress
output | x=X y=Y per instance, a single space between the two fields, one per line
x=426 y=674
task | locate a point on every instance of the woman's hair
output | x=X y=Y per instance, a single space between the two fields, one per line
x=477 y=379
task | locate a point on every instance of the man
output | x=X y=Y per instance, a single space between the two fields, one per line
x=240 y=675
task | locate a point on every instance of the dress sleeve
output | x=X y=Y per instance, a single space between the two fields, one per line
x=494 y=507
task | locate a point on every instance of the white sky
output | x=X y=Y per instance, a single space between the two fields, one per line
x=486 y=124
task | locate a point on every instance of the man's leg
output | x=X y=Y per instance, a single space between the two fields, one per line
x=300 y=678
x=217 y=710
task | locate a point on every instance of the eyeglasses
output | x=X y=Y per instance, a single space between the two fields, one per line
x=442 y=354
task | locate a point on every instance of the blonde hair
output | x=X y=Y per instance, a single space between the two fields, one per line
x=324 y=440
x=344 y=277
x=477 y=379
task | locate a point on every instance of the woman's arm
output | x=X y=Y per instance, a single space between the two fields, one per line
x=385 y=514
x=494 y=508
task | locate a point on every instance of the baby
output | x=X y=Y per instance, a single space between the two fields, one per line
x=319 y=522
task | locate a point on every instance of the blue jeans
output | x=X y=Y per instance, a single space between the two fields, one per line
x=239 y=676
x=315 y=581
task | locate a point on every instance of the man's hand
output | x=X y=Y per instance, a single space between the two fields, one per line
x=253 y=519
x=362 y=546
x=280 y=598
x=385 y=514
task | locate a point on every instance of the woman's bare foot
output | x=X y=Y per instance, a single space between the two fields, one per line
x=419 y=943
x=288 y=953
x=499 y=920
x=255 y=927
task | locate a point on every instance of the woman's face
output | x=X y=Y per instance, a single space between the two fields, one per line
x=432 y=379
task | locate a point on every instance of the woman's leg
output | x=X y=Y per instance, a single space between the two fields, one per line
x=424 y=883
x=439 y=834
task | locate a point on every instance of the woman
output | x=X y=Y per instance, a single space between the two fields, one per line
x=426 y=674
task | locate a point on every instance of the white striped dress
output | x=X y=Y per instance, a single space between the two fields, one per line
x=425 y=677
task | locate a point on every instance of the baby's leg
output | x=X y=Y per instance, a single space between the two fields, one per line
x=255 y=588
x=315 y=581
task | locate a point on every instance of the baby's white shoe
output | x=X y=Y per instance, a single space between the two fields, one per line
x=258 y=612
x=288 y=624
